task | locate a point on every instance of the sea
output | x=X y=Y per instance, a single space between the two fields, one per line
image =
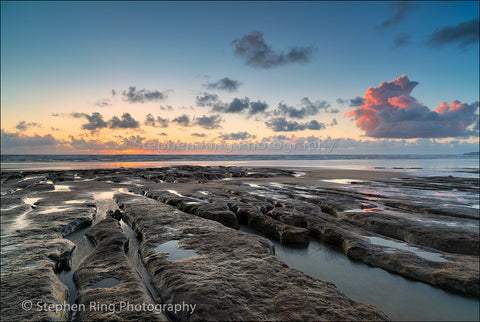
x=458 y=165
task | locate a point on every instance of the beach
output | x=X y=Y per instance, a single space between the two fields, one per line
x=219 y=238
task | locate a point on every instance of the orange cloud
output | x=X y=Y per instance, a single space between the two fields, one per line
x=389 y=111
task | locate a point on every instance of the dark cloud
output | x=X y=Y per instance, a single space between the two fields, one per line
x=237 y=136
x=208 y=100
x=158 y=122
x=400 y=10
x=114 y=92
x=91 y=145
x=163 y=134
x=143 y=95
x=352 y=102
x=226 y=84
x=23 y=125
x=464 y=34
x=182 y=120
x=237 y=105
x=280 y=124
x=257 y=107
x=199 y=135
x=334 y=122
x=17 y=140
x=389 y=111
x=96 y=121
x=401 y=40
x=103 y=102
x=126 y=122
x=208 y=122
x=257 y=53
x=315 y=125
x=308 y=108
x=165 y=108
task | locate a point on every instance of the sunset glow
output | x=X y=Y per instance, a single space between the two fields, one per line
x=165 y=73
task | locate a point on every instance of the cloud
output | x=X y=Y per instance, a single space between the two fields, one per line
x=96 y=121
x=352 y=102
x=280 y=124
x=389 y=111
x=333 y=123
x=12 y=143
x=126 y=122
x=257 y=53
x=308 y=108
x=143 y=95
x=199 y=135
x=114 y=92
x=401 y=40
x=151 y=121
x=165 y=108
x=257 y=107
x=237 y=105
x=226 y=84
x=103 y=102
x=208 y=122
x=237 y=136
x=465 y=33
x=208 y=100
x=91 y=145
x=182 y=120
x=23 y=125
x=400 y=9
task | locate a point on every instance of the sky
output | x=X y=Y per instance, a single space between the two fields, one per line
x=246 y=77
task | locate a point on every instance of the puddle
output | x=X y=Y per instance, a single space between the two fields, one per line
x=75 y=201
x=60 y=187
x=175 y=193
x=404 y=246
x=136 y=261
x=175 y=253
x=203 y=192
x=83 y=248
x=106 y=283
x=50 y=209
x=342 y=181
x=298 y=174
x=31 y=201
x=400 y=298
x=8 y=247
x=278 y=185
x=254 y=185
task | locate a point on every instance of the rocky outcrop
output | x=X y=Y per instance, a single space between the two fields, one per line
x=234 y=275
x=106 y=279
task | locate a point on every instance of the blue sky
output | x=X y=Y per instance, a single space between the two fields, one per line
x=61 y=57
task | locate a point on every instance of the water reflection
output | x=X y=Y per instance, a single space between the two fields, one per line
x=399 y=297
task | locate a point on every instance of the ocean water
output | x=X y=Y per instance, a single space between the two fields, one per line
x=423 y=165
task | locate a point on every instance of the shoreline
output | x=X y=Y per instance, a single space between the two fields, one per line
x=355 y=211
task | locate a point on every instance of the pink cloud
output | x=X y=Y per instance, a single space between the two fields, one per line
x=389 y=111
